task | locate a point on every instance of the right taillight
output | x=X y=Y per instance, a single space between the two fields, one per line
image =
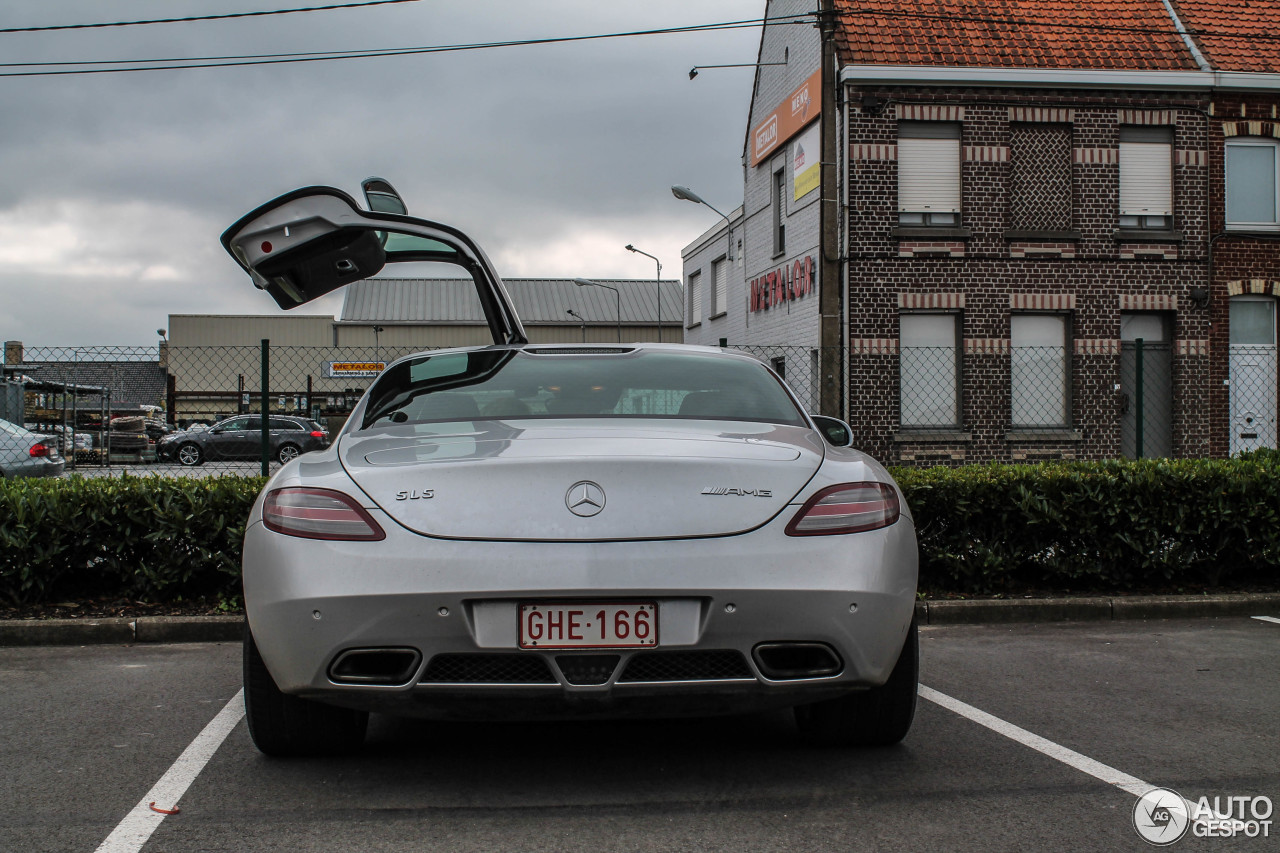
x=40 y=449
x=318 y=514
x=847 y=508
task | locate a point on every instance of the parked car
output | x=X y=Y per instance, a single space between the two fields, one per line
x=525 y=531
x=24 y=453
x=240 y=438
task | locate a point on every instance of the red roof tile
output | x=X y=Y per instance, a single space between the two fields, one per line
x=1235 y=35
x=1100 y=34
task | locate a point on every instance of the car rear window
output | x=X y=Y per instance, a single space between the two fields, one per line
x=506 y=384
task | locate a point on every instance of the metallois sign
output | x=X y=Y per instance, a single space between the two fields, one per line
x=354 y=369
x=785 y=284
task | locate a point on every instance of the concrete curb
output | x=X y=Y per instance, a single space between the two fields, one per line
x=222 y=629
x=989 y=611
x=121 y=631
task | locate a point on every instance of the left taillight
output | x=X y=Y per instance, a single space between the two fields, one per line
x=318 y=514
x=847 y=508
x=315 y=433
x=39 y=449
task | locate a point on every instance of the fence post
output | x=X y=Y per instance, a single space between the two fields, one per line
x=1137 y=389
x=266 y=379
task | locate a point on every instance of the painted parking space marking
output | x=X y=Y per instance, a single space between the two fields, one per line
x=137 y=826
x=1267 y=619
x=1069 y=757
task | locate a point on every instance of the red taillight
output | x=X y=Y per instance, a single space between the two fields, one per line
x=39 y=450
x=318 y=514
x=848 y=508
x=315 y=433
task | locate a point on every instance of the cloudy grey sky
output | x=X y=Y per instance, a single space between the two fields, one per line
x=115 y=187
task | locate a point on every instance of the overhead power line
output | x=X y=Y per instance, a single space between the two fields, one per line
x=53 y=27
x=117 y=66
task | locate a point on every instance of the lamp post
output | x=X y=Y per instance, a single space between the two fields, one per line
x=377 y=343
x=617 y=298
x=658 y=280
x=693 y=72
x=580 y=319
x=686 y=194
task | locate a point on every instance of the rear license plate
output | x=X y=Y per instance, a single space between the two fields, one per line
x=588 y=625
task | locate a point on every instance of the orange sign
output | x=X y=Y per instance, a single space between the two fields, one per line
x=796 y=110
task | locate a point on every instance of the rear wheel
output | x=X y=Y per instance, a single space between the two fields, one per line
x=189 y=454
x=877 y=717
x=287 y=453
x=283 y=725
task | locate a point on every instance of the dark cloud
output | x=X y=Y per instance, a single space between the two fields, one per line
x=116 y=187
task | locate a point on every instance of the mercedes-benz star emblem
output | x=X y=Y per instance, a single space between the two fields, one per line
x=584 y=498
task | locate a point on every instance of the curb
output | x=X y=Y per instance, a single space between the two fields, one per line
x=223 y=629
x=121 y=631
x=987 y=611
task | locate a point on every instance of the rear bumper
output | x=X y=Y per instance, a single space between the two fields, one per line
x=310 y=601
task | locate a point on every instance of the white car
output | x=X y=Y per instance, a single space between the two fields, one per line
x=519 y=531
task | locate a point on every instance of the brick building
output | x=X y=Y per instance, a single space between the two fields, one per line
x=1054 y=223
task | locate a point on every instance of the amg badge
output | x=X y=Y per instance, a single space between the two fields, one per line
x=722 y=490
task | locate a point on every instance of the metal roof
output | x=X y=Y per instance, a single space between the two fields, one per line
x=538 y=301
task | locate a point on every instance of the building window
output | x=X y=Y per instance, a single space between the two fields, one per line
x=1041 y=378
x=928 y=173
x=719 y=287
x=1252 y=183
x=1146 y=177
x=1040 y=177
x=779 y=365
x=779 y=214
x=929 y=370
x=695 y=299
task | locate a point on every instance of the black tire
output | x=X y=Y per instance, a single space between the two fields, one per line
x=189 y=454
x=880 y=716
x=288 y=453
x=282 y=725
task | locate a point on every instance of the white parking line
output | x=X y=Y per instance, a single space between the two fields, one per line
x=1268 y=619
x=1069 y=757
x=137 y=826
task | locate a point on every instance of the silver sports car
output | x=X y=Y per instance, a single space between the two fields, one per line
x=519 y=530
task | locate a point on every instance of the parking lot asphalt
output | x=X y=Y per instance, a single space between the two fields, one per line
x=1024 y=739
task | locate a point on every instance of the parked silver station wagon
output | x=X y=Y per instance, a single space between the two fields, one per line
x=519 y=530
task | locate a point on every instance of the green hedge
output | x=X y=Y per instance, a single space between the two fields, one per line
x=1087 y=525
x=145 y=538
x=1097 y=525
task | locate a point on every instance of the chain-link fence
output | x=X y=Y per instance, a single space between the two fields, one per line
x=801 y=367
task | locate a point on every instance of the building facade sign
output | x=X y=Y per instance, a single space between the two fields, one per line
x=787 y=283
x=787 y=119
x=806 y=160
x=354 y=369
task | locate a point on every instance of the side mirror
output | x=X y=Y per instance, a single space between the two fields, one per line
x=306 y=244
x=382 y=197
x=217 y=431
x=835 y=431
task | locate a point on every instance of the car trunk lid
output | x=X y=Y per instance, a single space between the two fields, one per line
x=558 y=480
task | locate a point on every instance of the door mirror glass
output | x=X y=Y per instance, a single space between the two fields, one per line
x=835 y=431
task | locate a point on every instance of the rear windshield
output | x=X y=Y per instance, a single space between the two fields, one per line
x=506 y=384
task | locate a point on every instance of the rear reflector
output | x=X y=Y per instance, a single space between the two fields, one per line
x=318 y=514
x=849 y=508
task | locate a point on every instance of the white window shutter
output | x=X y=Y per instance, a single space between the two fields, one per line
x=720 y=299
x=928 y=175
x=1146 y=179
x=695 y=298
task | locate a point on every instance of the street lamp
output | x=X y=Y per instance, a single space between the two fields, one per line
x=693 y=72
x=631 y=248
x=686 y=194
x=581 y=320
x=617 y=298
